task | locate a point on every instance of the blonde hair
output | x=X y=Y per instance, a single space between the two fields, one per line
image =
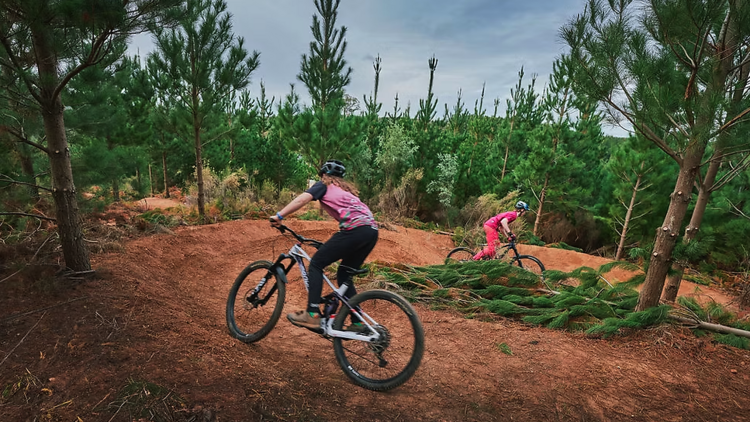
x=338 y=181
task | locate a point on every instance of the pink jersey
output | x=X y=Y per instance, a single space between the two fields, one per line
x=343 y=206
x=494 y=222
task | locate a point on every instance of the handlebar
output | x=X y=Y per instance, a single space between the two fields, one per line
x=302 y=239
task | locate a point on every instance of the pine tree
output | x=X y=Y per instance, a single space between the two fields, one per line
x=97 y=110
x=428 y=106
x=205 y=65
x=324 y=71
x=549 y=171
x=668 y=72
x=371 y=104
x=635 y=169
x=41 y=42
x=522 y=114
x=320 y=132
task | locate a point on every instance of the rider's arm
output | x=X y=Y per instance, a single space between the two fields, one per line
x=293 y=206
x=506 y=227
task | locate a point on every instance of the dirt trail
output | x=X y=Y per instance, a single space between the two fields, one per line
x=157 y=314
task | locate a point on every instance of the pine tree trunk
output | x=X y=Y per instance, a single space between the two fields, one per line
x=139 y=182
x=691 y=231
x=720 y=82
x=164 y=168
x=538 y=221
x=150 y=180
x=666 y=235
x=27 y=166
x=628 y=214
x=115 y=190
x=507 y=148
x=199 y=170
x=63 y=189
x=505 y=162
x=115 y=182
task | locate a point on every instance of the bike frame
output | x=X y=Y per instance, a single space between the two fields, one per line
x=297 y=255
x=498 y=255
x=508 y=247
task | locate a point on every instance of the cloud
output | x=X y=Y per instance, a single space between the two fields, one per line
x=476 y=42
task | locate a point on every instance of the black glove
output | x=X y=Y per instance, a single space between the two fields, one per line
x=512 y=237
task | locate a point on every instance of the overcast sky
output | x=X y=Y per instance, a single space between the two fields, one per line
x=475 y=41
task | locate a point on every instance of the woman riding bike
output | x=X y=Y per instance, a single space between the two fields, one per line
x=356 y=238
x=496 y=223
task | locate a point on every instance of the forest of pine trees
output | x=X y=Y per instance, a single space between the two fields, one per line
x=78 y=115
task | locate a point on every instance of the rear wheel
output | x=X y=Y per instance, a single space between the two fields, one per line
x=255 y=301
x=530 y=263
x=461 y=254
x=395 y=356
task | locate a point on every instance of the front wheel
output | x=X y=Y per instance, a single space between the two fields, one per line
x=461 y=254
x=255 y=301
x=395 y=356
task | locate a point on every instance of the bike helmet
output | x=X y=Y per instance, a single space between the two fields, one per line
x=333 y=168
x=522 y=205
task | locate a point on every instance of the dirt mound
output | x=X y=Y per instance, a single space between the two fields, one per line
x=156 y=314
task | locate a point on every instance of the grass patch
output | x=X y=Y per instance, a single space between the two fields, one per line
x=143 y=400
x=23 y=384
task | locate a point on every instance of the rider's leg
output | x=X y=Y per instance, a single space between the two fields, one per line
x=329 y=253
x=325 y=256
x=492 y=241
x=360 y=242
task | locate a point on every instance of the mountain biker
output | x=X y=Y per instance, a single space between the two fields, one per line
x=356 y=238
x=500 y=221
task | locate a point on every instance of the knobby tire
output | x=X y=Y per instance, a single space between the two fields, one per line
x=250 y=322
x=461 y=254
x=402 y=342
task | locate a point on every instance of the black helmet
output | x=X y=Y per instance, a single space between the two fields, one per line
x=522 y=205
x=333 y=168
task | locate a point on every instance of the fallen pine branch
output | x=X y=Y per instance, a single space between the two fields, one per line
x=711 y=327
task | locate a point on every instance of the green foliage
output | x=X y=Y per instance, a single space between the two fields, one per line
x=733 y=340
x=443 y=186
x=159 y=217
x=401 y=203
x=695 y=250
x=588 y=305
x=563 y=245
x=311 y=215
x=534 y=240
x=649 y=317
x=395 y=153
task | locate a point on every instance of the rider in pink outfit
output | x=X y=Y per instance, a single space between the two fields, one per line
x=494 y=224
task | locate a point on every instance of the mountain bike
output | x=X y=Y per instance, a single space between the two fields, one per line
x=527 y=262
x=383 y=354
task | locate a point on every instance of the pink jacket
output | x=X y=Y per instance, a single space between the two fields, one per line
x=494 y=222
